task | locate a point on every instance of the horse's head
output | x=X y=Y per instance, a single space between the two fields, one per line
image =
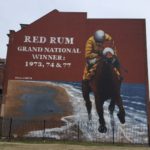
x=107 y=57
x=106 y=65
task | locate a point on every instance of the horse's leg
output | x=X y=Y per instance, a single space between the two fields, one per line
x=111 y=106
x=99 y=107
x=86 y=91
x=121 y=113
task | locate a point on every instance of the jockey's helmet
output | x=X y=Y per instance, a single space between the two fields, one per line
x=99 y=36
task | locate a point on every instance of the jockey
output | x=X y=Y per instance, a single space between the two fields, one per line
x=98 y=46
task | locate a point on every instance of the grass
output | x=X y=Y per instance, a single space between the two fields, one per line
x=81 y=143
x=66 y=145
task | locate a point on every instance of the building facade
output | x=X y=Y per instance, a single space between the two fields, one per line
x=46 y=60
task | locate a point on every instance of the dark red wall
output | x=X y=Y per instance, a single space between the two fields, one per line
x=54 y=24
x=128 y=34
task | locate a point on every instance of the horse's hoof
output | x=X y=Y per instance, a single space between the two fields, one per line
x=121 y=117
x=102 y=129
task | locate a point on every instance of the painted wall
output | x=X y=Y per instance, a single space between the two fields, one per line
x=45 y=63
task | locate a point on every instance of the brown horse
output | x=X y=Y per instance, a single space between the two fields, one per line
x=105 y=85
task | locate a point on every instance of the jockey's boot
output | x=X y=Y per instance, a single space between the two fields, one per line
x=91 y=72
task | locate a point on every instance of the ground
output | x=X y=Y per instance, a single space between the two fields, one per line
x=64 y=146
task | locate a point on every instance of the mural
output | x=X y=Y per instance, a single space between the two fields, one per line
x=57 y=68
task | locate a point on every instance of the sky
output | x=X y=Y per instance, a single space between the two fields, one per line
x=16 y=12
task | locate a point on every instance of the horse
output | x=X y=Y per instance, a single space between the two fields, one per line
x=105 y=85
